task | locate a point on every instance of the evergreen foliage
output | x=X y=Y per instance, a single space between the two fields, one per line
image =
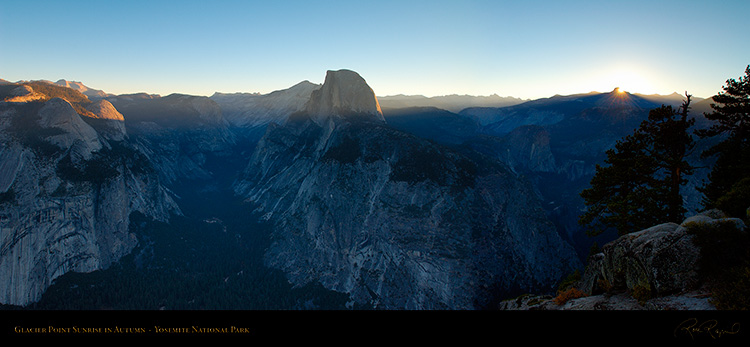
x=640 y=184
x=55 y=91
x=724 y=262
x=8 y=196
x=731 y=116
x=346 y=152
x=96 y=170
x=671 y=143
x=736 y=202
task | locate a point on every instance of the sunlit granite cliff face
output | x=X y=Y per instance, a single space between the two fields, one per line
x=343 y=93
x=396 y=221
x=107 y=120
x=66 y=194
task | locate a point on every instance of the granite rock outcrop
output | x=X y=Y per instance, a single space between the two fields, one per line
x=658 y=268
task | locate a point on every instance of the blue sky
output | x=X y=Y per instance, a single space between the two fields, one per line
x=527 y=49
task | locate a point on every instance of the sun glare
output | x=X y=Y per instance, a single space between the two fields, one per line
x=630 y=80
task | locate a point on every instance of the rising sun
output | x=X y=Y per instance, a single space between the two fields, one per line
x=630 y=80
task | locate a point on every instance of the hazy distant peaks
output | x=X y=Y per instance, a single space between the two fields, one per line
x=675 y=99
x=137 y=96
x=72 y=84
x=344 y=93
x=302 y=89
x=305 y=85
x=92 y=93
x=256 y=109
x=453 y=102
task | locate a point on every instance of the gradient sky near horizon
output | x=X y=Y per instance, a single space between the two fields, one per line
x=527 y=49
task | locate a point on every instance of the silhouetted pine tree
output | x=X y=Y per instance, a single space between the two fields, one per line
x=671 y=143
x=731 y=114
x=640 y=185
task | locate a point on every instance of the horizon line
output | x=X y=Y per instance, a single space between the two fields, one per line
x=376 y=94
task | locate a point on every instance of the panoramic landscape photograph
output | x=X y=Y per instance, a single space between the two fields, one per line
x=284 y=168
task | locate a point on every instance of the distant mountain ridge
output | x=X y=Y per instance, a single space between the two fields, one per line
x=553 y=109
x=675 y=99
x=91 y=93
x=453 y=102
x=249 y=110
x=432 y=123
